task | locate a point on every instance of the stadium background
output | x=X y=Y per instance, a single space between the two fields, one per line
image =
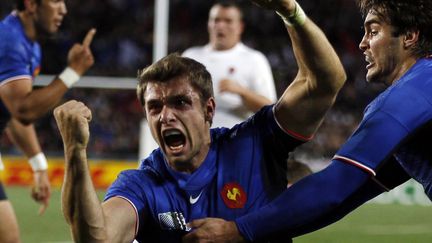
x=124 y=43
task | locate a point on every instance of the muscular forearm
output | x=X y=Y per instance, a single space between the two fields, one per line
x=309 y=204
x=304 y=104
x=80 y=204
x=24 y=136
x=316 y=57
x=38 y=102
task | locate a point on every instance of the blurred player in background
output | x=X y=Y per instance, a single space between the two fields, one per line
x=20 y=106
x=197 y=171
x=392 y=142
x=242 y=78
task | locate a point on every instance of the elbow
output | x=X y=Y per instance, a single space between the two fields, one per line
x=340 y=78
x=332 y=82
x=336 y=79
x=25 y=116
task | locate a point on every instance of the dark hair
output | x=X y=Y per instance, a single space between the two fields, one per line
x=173 y=66
x=19 y=4
x=404 y=16
x=230 y=4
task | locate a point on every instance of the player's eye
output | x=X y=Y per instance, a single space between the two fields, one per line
x=154 y=108
x=373 y=33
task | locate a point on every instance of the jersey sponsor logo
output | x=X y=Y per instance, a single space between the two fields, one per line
x=233 y=195
x=193 y=200
x=173 y=221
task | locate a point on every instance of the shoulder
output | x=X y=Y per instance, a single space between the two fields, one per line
x=11 y=34
x=251 y=53
x=262 y=122
x=135 y=176
x=10 y=39
x=193 y=51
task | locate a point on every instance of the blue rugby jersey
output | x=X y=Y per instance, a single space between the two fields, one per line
x=20 y=57
x=243 y=171
x=395 y=132
x=397 y=123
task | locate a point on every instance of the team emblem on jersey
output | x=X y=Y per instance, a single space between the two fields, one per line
x=173 y=221
x=233 y=195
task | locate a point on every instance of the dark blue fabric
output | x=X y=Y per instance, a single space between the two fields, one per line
x=238 y=156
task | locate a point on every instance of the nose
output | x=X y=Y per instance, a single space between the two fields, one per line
x=167 y=115
x=219 y=24
x=364 y=43
x=63 y=8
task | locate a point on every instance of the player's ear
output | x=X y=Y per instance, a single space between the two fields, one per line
x=411 y=38
x=209 y=109
x=30 y=5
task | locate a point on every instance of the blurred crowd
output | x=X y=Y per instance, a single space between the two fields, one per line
x=124 y=42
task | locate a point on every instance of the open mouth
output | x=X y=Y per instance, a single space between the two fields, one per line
x=220 y=35
x=174 y=139
x=369 y=62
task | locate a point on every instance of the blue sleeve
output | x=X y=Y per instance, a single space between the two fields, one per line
x=306 y=201
x=320 y=199
x=13 y=61
x=387 y=123
x=377 y=136
x=129 y=186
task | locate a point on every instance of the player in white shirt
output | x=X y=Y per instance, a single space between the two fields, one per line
x=242 y=78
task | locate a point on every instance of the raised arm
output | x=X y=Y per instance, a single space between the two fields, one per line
x=320 y=76
x=115 y=219
x=27 y=105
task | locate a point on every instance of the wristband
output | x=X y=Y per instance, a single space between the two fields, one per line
x=69 y=77
x=38 y=162
x=296 y=19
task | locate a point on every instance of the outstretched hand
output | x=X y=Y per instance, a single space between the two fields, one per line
x=80 y=57
x=73 y=119
x=213 y=230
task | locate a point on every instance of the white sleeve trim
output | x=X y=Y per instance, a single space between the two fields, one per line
x=356 y=163
x=15 y=78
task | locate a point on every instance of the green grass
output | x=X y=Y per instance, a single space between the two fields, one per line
x=389 y=223
x=371 y=223
x=47 y=228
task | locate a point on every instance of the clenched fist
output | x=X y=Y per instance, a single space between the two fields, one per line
x=73 y=119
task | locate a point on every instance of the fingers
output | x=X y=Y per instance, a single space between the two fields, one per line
x=73 y=107
x=41 y=195
x=89 y=37
x=43 y=207
x=196 y=223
